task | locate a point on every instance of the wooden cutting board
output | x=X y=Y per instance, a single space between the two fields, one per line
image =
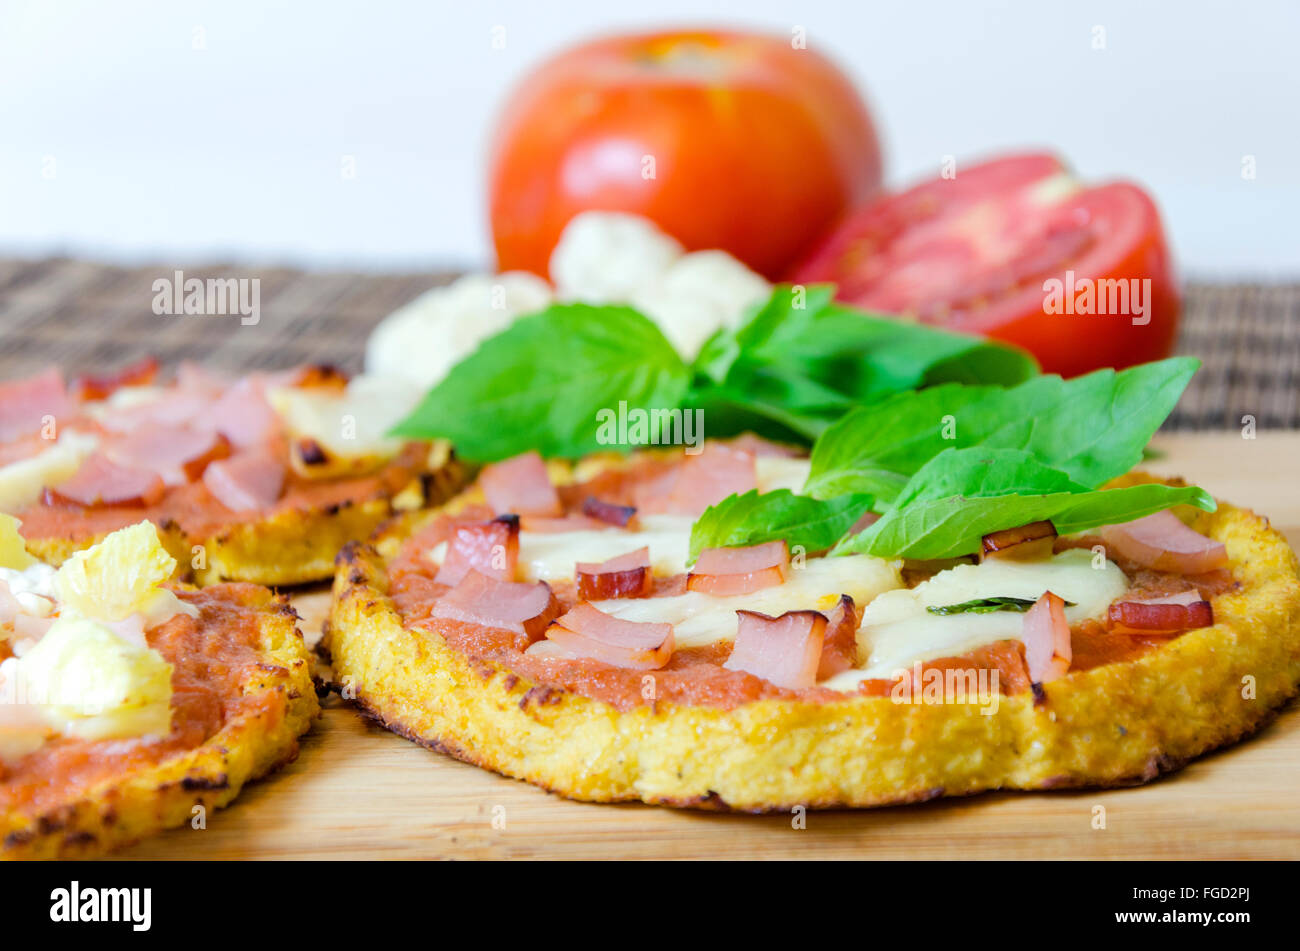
x=357 y=791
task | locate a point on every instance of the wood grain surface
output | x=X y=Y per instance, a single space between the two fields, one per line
x=357 y=791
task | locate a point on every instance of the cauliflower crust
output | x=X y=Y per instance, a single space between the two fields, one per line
x=292 y=546
x=125 y=809
x=1120 y=724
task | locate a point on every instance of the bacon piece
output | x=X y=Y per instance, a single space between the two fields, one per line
x=490 y=548
x=840 y=645
x=785 y=650
x=1034 y=540
x=247 y=481
x=565 y=523
x=24 y=404
x=728 y=571
x=101 y=387
x=244 y=415
x=520 y=486
x=1171 y=614
x=590 y=632
x=1046 y=635
x=179 y=454
x=623 y=576
x=518 y=607
x=709 y=477
x=1161 y=541
x=101 y=481
x=608 y=512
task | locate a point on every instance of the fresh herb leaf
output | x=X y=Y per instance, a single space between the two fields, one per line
x=1093 y=427
x=986 y=606
x=540 y=383
x=961 y=495
x=755 y=518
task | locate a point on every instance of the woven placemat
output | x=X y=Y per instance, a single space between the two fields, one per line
x=90 y=317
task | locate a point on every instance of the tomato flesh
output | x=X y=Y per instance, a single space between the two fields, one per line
x=1018 y=250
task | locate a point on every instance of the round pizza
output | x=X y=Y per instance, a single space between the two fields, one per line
x=260 y=479
x=129 y=704
x=628 y=628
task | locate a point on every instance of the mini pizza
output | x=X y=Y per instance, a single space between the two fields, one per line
x=259 y=479
x=129 y=704
x=548 y=624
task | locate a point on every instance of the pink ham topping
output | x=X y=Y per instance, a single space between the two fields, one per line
x=1034 y=540
x=699 y=481
x=518 y=607
x=490 y=548
x=544 y=525
x=178 y=454
x=25 y=404
x=101 y=481
x=623 y=576
x=1046 y=635
x=840 y=645
x=608 y=512
x=729 y=571
x=589 y=632
x=244 y=416
x=785 y=650
x=520 y=486
x=1171 y=614
x=1161 y=541
x=247 y=481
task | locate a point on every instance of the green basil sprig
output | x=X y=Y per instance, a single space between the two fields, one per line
x=754 y=518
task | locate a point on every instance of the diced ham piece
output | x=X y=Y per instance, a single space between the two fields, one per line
x=785 y=650
x=590 y=632
x=172 y=407
x=101 y=481
x=1185 y=611
x=518 y=607
x=840 y=645
x=490 y=548
x=25 y=404
x=1026 y=542
x=178 y=453
x=247 y=481
x=520 y=486
x=244 y=416
x=728 y=571
x=623 y=576
x=544 y=525
x=709 y=477
x=1046 y=635
x=101 y=387
x=862 y=524
x=608 y=512
x=1161 y=541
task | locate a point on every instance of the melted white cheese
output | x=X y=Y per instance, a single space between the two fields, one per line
x=550 y=556
x=699 y=619
x=781 y=472
x=897 y=630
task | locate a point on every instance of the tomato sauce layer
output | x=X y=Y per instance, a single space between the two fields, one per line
x=211 y=656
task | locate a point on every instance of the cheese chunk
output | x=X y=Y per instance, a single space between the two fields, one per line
x=94 y=685
x=551 y=556
x=700 y=619
x=781 y=472
x=897 y=630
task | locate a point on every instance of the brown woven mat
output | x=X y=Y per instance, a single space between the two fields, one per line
x=90 y=317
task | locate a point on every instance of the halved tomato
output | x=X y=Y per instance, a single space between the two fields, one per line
x=1017 y=249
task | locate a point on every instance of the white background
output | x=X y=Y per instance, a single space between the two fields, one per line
x=120 y=139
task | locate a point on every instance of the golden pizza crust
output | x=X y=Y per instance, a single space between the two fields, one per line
x=125 y=809
x=291 y=546
x=1119 y=724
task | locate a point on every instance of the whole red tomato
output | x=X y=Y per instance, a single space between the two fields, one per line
x=726 y=140
x=1015 y=248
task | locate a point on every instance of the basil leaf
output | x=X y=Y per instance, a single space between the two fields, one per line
x=755 y=518
x=540 y=383
x=961 y=495
x=983 y=606
x=1093 y=427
